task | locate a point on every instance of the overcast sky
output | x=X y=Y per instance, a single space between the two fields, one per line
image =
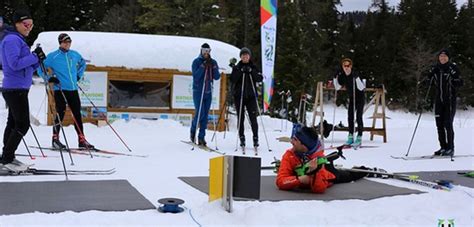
x=363 y=5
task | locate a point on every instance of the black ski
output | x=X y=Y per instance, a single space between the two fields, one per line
x=34 y=171
x=409 y=178
x=430 y=157
x=204 y=148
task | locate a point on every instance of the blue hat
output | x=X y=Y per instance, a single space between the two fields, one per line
x=307 y=136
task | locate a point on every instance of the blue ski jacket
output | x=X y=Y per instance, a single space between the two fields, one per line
x=199 y=68
x=68 y=66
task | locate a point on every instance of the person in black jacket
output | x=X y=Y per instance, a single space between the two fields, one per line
x=445 y=76
x=244 y=77
x=351 y=80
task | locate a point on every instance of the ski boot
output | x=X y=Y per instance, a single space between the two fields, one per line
x=56 y=144
x=357 y=143
x=350 y=139
x=255 y=142
x=193 y=137
x=202 y=142
x=84 y=144
x=439 y=152
x=448 y=152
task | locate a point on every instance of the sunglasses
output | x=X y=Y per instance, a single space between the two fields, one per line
x=346 y=66
x=28 y=25
x=206 y=50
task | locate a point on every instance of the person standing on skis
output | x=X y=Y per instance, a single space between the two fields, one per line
x=19 y=63
x=244 y=78
x=205 y=70
x=67 y=68
x=445 y=76
x=351 y=80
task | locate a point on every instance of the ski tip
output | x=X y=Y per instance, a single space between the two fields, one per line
x=32 y=158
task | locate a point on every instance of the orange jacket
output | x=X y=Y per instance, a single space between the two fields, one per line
x=288 y=180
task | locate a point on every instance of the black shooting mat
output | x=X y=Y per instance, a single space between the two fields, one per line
x=457 y=179
x=59 y=196
x=362 y=189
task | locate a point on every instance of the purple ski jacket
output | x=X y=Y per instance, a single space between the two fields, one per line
x=18 y=62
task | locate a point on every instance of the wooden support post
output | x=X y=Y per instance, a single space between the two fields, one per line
x=318 y=104
x=379 y=100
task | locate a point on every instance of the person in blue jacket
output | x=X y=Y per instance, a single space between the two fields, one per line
x=65 y=67
x=205 y=70
x=18 y=67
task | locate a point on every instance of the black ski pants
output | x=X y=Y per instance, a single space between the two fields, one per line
x=251 y=105
x=344 y=176
x=359 y=106
x=74 y=103
x=444 y=115
x=18 y=122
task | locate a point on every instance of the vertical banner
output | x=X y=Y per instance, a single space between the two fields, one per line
x=268 y=26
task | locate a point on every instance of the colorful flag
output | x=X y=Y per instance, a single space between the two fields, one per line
x=268 y=28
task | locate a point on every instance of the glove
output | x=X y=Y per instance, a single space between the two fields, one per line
x=78 y=78
x=232 y=62
x=39 y=52
x=246 y=69
x=277 y=165
x=53 y=80
x=208 y=62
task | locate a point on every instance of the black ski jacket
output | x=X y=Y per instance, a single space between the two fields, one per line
x=349 y=82
x=446 y=79
x=249 y=70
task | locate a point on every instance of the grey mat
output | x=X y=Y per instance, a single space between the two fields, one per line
x=362 y=189
x=59 y=196
x=446 y=175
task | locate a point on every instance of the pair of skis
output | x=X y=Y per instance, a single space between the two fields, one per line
x=202 y=147
x=242 y=148
x=97 y=152
x=428 y=157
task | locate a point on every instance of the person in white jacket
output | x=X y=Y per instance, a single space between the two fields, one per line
x=351 y=80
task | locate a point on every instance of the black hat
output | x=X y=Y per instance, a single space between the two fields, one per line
x=21 y=15
x=245 y=50
x=205 y=45
x=444 y=51
x=64 y=37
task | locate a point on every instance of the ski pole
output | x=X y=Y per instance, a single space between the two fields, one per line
x=419 y=117
x=97 y=109
x=239 y=115
x=334 y=116
x=73 y=117
x=36 y=138
x=200 y=107
x=61 y=128
x=259 y=113
x=43 y=68
x=27 y=149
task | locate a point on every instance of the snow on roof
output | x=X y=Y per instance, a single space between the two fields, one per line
x=139 y=50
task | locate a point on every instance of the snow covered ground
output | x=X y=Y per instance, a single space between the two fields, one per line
x=156 y=176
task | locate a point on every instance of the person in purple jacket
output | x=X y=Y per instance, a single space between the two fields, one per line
x=18 y=67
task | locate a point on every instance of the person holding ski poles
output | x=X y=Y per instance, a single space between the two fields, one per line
x=244 y=78
x=445 y=76
x=18 y=67
x=304 y=166
x=351 y=80
x=65 y=68
x=205 y=70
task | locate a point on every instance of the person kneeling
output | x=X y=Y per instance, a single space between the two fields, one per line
x=304 y=166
